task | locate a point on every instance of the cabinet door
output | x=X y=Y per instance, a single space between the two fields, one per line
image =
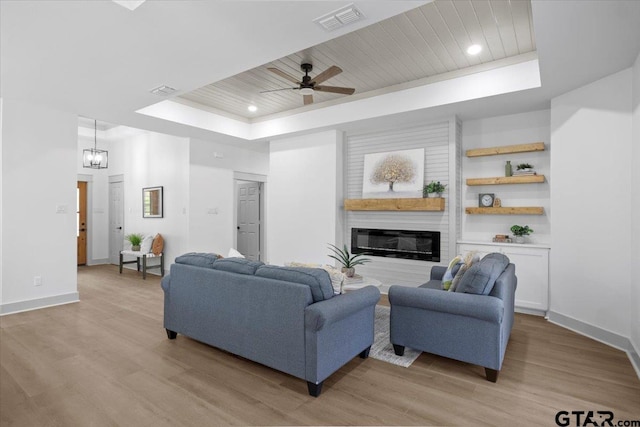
x=532 y=271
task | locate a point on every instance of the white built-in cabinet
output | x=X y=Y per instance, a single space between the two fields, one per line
x=532 y=271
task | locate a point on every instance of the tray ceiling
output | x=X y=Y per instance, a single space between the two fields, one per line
x=425 y=42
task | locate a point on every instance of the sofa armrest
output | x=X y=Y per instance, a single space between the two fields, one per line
x=165 y=282
x=481 y=307
x=324 y=313
x=437 y=272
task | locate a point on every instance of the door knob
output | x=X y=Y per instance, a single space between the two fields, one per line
x=119 y=228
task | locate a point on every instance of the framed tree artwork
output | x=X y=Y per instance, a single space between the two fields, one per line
x=393 y=174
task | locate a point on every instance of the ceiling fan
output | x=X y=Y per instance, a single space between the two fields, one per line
x=309 y=85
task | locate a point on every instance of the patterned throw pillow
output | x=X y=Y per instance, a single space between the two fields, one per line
x=453 y=268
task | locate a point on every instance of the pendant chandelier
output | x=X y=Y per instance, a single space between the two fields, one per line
x=92 y=157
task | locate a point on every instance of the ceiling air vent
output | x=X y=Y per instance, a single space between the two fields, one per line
x=339 y=18
x=163 y=90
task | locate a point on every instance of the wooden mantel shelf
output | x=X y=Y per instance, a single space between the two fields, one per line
x=522 y=210
x=422 y=204
x=508 y=149
x=523 y=179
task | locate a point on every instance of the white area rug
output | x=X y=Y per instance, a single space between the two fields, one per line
x=382 y=348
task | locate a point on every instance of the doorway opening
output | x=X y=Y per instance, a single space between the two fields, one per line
x=81 y=222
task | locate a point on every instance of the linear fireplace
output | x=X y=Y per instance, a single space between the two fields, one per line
x=409 y=244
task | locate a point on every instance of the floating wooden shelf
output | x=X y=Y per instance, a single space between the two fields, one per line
x=523 y=210
x=424 y=204
x=507 y=149
x=523 y=179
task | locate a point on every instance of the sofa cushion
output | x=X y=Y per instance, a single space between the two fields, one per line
x=470 y=259
x=481 y=276
x=237 y=265
x=316 y=278
x=454 y=266
x=198 y=259
x=145 y=246
x=233 y=253
x=158 y=244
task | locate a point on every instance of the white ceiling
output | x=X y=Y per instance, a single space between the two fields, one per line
x=420 y=43
x=99 y=60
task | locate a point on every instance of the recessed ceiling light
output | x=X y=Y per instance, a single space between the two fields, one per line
x=474 y=49
x=252 y=108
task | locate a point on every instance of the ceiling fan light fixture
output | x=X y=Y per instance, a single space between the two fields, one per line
x=306 y=91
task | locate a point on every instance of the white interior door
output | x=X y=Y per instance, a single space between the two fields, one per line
x=116 y=220
x=249 y=220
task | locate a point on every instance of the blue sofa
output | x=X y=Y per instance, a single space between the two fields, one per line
x=472 y=328
x=285 y=318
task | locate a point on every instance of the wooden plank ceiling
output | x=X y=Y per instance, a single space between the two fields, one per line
x=424 y=42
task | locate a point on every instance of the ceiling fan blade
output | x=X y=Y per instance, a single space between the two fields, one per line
x=284 y=75
x=308 y=99
x=278 y=90
x=327 y=74
x=335 y=89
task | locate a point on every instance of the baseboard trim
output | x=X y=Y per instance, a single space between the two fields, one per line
x=602 y=335
x=531 y=311
x=102 y=261
x=35 y=304
x=635 y=359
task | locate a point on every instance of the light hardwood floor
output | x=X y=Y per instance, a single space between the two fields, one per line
x=106 y=361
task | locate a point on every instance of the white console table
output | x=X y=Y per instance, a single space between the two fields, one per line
x=532 y=271
x=366 y=281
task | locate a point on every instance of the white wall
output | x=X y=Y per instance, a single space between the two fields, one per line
x=303 y=194
x=39 y=147
x=635 y=201
x=591 y=198
x=149 y=159
x=499 y=131
x=212 y=190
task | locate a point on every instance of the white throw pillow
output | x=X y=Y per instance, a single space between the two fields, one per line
x=145 y=246
x=234 y=254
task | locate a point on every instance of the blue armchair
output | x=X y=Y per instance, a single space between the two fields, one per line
x=467 y=327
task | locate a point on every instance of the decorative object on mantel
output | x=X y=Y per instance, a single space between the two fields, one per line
x=394 y=174
x=497 y=203
x=92 y=157
x=434 y=187
x=521 y=232
x=507 y=169
x=348 y=261
x=135 y=239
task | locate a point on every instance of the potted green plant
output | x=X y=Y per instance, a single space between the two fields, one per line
x=524 y=166
x=347 y=260
x=433 y=187
x=520 y=232
x=135 y=239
